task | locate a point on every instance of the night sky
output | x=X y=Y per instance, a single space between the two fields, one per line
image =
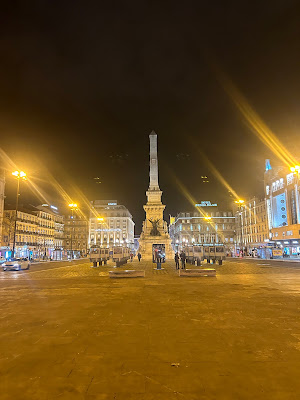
x=83 y=84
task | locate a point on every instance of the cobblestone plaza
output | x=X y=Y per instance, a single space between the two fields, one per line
x=70 y=332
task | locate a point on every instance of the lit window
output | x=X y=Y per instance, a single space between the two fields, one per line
x=289 y=179
x=281 y=183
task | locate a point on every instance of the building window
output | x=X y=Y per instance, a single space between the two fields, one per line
x=289 y=179
x=281 y=183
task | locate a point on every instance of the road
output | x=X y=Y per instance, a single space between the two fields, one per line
x=70 y=332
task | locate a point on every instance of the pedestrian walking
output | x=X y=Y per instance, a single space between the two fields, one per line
x=131 y=256
x=139 y=256
x=176 y=260
x=183 y=258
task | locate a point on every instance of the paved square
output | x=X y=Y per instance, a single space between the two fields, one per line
x=70 y=332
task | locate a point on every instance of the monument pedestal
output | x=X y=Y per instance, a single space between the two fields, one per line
x=149 y=244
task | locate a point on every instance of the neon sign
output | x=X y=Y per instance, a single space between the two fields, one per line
x=206 y=204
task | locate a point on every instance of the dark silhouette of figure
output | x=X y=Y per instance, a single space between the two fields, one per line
x=176 y=260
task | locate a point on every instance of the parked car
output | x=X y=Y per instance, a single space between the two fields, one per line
x=2 y=259
x=16 y=264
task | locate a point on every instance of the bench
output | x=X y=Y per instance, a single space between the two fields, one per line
x=197 y=272
x=127 y=274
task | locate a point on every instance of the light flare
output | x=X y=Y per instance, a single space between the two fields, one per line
x=255 y=123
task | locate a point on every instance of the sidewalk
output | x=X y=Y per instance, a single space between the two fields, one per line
x=80 y=335
x=53 y=261
x=266 y=259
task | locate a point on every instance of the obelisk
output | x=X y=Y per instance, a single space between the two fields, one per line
x=155 y=234
x=153 y=193
x=153 y=184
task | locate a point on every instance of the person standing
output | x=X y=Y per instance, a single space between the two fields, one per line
x=176 y=260
x=182 y=256
x=139 y=256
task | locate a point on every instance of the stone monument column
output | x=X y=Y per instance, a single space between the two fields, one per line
x=155 y=232
x=153 y=184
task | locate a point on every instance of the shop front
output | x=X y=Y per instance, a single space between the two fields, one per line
x=289 y=248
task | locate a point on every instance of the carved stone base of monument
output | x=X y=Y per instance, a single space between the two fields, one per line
x=150 y=243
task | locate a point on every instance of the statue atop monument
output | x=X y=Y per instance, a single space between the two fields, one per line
x=155 y=231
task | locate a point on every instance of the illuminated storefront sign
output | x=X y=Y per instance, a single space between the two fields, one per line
x=279 y=211
x=206 y=204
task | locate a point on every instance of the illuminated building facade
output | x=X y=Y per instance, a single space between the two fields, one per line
x=76 y=234
x=116 y=226
x=39 y=232
x=2 y=188
x=189 y=228
x=252 y=229
x=282 y=204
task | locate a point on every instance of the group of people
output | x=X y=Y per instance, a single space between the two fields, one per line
x=139 y=256
x=180 y=257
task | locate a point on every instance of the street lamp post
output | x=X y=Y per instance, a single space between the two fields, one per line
x=239 y=203
x=18 y=175
x=73 y=207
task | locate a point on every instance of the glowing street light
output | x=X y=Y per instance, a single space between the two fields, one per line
x=239 y=201
x=100 y=219
x=207 y=218
x=73 y=207
x=18 y=175
x=295 y=169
